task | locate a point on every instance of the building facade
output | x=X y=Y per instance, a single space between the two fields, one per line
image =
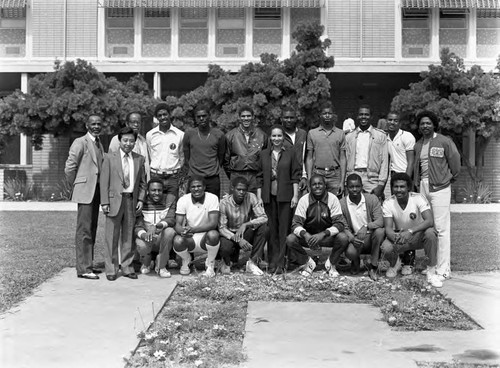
x=380 y=46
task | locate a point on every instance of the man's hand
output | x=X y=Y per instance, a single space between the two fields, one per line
x=314 y=240
x=105 y=209
x=378 y=190
x=359 y=240
x=404 y=237
x=341 y=189
x=138 y=207
x=238 y=236
x=294 y=202
x=303 y=184
x=245 y=245
x=150 y=234
x=186 y=232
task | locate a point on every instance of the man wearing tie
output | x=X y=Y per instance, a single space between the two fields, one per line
x=123 y=188
x=82 y=170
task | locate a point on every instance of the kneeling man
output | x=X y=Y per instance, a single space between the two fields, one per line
x=409 y=225
x=365 y=222
x=196 y=220
x=318 y=222
x=154 y=228
x=242 y=225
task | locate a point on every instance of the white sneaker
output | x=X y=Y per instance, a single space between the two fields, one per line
x=209 y=269
x=407 y=270
x=164 y=273
x=330 y=269
x=145 y=269
x=224 y=268
x=393 y=271
x=253 y=269
x=308 y=268
x=434 y=280
x=185 y=270
x=424 y=271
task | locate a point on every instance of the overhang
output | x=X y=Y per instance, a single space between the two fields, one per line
x=12 y=4
x=211 y=3
x=451 y=4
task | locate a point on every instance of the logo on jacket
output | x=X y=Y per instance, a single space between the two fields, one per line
x=173 y=146
x=437 y=152
x=324 y=214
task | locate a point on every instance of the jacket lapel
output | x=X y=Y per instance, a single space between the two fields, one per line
x=118 y=160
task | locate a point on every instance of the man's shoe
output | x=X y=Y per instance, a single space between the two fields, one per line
x=434 y=280
x=393 y=271
x=89 y=276
x=145 y=269
x=331 y=270
x=308 y=268
x=209 y=269
x=224 y=268
x=373 y=274
x=96 y=271
x=252 y=268
x=132 y=275
x=164 y=274
x=407 y=270
x=111 y=277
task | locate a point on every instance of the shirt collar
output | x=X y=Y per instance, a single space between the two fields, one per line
x=92 y=138
x=362 y=201
x=122 y=154
x=251 y=131
x=321 y=127
x=323 y=199
x=172 y=129
x=369 y=130
x=201 y=202
x=233 y=202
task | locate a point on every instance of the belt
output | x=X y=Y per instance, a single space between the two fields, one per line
x=127 y=194
x=364 y=169
x=166 y=172
x=331 y=168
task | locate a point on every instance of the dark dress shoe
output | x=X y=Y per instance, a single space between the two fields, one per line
x=96 y=271
x=132 y=276
x=89 y=276
x=111 y=277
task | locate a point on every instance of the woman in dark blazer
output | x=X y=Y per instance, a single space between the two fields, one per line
x=278 y=179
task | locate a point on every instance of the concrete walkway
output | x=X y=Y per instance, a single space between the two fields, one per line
x=353 y=335
x=71 y=322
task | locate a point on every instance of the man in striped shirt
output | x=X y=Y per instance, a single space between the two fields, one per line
x=154 y=228
x=242 y=225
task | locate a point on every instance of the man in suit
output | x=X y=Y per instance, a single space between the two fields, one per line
x=123 y=189
x=82 y=170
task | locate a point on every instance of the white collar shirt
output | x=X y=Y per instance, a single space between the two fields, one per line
x=358 y=214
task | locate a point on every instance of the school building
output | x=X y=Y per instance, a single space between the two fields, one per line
x=380 y=46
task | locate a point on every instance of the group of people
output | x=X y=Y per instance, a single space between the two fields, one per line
x=285 y=190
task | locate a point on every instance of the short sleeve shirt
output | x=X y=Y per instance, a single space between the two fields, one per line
x=197 y=213
x=325 y=146
x=403 y=141
x=411 y=215
x=165 y=148
x=357 y=212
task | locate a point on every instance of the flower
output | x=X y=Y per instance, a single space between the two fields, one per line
x=198 y=362
x=159 y=354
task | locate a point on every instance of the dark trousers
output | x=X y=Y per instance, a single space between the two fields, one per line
x=213 y=185
x=122 y=223
x=280 y=222
x=86 y=229
x=297 y=254
x=230 y=250
x=421 y=239
x=170 y=183
x=371 y=246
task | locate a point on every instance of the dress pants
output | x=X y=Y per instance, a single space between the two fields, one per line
x=86 y=229
x=229 y=250
x=421 y=239
x=122 y=223
x=280 y=222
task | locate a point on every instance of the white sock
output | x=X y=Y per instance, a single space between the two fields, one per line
x=431 y=270
x=212 y=251
x=186 y=257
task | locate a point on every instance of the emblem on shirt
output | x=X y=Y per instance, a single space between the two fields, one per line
x=413 y=215
x=437 y=152
x=173 y=146
x=324 y=214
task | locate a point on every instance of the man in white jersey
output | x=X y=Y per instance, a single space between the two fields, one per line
x=197 y=218
x=408 y=225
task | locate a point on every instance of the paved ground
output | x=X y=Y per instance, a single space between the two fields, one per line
x=71 y=322
x=353 y=335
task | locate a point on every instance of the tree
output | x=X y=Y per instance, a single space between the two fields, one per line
x=60 y=102
x=464 y=100
x=268 y=85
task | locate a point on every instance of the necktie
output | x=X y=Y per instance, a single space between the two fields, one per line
x=98 y=144
x=126 y=171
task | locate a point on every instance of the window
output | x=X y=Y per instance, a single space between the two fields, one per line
x=302 y=15
x=193 y=34
x=230 y=32
x=120 y=32
x=267 y=33
x=453 y=30
x=13 y=32
x=156 y=33
x=488 y=33
x=416 y=33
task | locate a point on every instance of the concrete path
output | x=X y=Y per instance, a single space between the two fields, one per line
x=353 y=335
x=71 y=322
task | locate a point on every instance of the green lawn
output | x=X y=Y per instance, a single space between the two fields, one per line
x=35 y=246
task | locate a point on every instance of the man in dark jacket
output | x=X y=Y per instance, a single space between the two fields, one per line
x=318 y=222
x=365 y=222
x=243 y=146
